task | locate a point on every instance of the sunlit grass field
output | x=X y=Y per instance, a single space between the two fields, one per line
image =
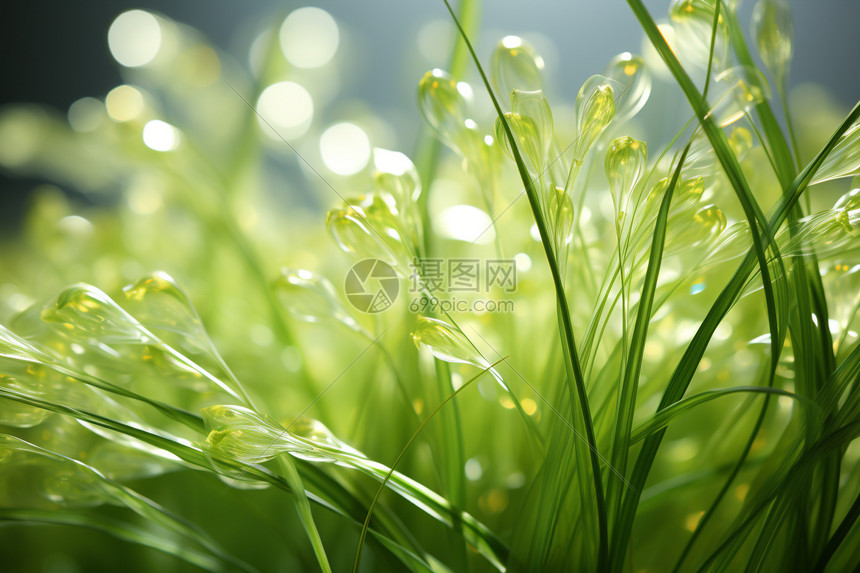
x=545 y=338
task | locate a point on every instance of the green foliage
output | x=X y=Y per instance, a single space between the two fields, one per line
x=678 y=387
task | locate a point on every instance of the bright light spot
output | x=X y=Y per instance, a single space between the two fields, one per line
x=124 y=103
x=697 y=288
x=309 y=37
x=723 y=331
x=515 y=480
x=523 y=262
x=393 y=162
x=474 y=471
x=465 y=90
x=535 y=232
x=134 y=38
x=304 y=274
x=144 y=199
x=456 y=381
x=345 y=148
x=506 y=402
x=287 y=107
x=488 y=140
x=683 y=450
x=76 y=225
x=529 y=406
x=160 y=136
x=585 y=215
x=86 y=114
x=833 y=325
x=465 y=223
x=692 y=520
x=512 y=42
x=763 y=339
x=470 y=124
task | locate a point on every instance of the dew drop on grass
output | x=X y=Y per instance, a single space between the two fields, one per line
x=515 y=65
x=844 y=160
x=595 y=110
x=625 y=163
x=395 y=174
x=311 y=298
x=446 y=104
x=634 y=81
x=773 y=34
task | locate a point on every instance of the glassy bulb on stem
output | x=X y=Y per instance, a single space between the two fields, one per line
x=595 y=110
x=625 y=162
x=634 y=83
x=773 y=33
x=446 y=106
x=515 y=65
x=531 y=125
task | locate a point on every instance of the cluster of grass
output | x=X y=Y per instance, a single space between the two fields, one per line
x=678 y=389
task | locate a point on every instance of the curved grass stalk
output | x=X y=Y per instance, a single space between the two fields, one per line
x=573 y=367
x=683 y=373
x=394 y=465
x=422 y=497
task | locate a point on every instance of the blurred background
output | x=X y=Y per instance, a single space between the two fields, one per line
x=55 y=53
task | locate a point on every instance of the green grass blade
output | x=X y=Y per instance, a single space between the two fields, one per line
x=630 y=381
x=683 y=373
x=667 y=415
x=403 y=451
x=120 y=529
x=572 y=363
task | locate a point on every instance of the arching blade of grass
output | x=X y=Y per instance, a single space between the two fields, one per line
x=425 y=499
x=572 y=363
x=667 y=415
x=728 y=161
x=630 y=381
x=120 y=529
x=400 y=457
x=683 y=373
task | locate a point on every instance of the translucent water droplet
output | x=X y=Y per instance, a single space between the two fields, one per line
x=394 y=173
x=737 y=95
x=515 y=65
x=158 y=303
x=741 y=141
x=86 y=312
x=844 y=160
x=531 y=123
x=693 y=231
x=680 y=10
x=311 y=298
x=692 y=22
x=631 y=74
x=560 y=211
x=595 y=109
x=238 y=433
x=773 y=34
x=448 y=343
x=849 y=201
x=446 y=106
x=370 y=226
x=625 y=162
